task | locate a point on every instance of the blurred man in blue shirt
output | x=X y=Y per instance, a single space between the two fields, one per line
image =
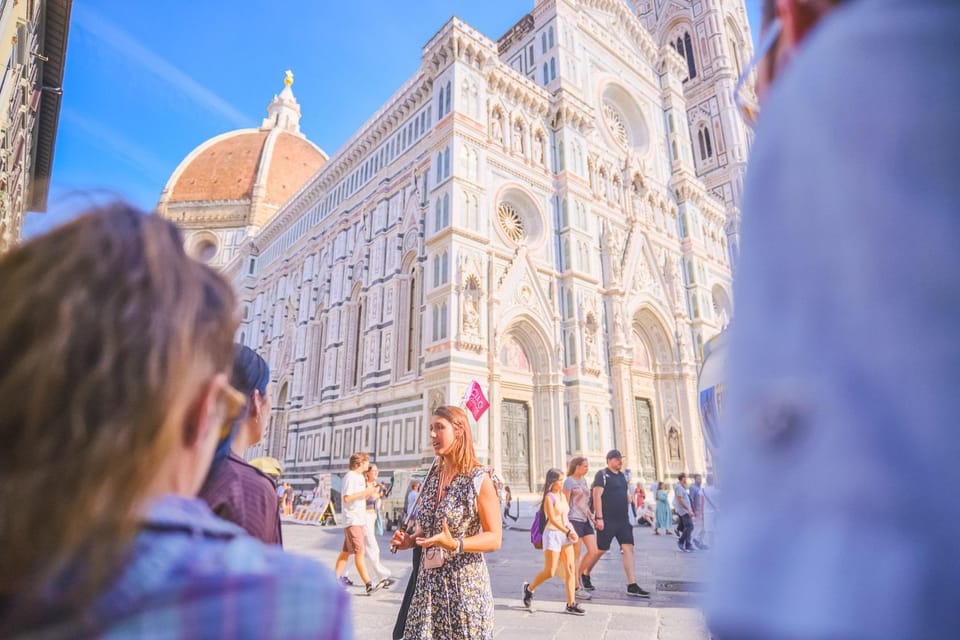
x=844 y=357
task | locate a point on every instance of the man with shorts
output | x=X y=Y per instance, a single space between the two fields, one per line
x=611 y=503
x=355 y=493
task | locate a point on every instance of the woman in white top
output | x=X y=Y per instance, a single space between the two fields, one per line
x=558 y=539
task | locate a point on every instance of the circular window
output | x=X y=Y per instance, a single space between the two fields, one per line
x=623 y=119
x=510 y=222
x=615 y=124
x=205 y=249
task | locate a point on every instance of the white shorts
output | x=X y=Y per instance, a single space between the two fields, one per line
x=554 y=540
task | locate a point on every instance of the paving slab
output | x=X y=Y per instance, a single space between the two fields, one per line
x=611 y=614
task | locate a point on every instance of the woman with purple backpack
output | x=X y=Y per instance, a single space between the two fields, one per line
x=558 y=537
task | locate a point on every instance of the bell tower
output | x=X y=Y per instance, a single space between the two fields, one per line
x=713 y=38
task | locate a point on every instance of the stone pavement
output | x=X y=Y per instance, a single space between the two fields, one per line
x=611 y=615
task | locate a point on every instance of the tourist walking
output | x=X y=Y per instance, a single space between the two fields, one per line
x=696 y=500
x=116 y=351
x=558 y=540
x=371 y=547
x=458 y=521
x=412 y=496
x=577 y=492
x=355 y=493
x=711 y=497
x=507 y=502
x=685 y=513
x=664 y=514
x=235 y=490
x=638 y=502
x=610 y=505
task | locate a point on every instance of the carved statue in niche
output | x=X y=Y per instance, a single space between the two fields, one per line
x=436 y=399
x=673 y=444
x=588 y=346
x=538 y=149
x=618 y=326
x=497 y=127
x=615 y=253
x=471 y=316
x=518 y=137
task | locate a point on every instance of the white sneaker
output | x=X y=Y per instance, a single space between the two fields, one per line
x=583 y=594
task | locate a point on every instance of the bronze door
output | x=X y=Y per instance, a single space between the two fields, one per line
x=515 y=428
x=645 y=446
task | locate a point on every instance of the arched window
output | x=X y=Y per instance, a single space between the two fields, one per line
x=412 y=319
x=706 y=146
x=357 y=344
x=445 y=220
x=446 y=99
x=691 y=65
x=550 y=40
x=546 y=74
x=553 y=69
x=440 y=104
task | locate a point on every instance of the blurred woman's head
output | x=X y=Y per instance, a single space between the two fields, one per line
x=115 y=347
x=451 y=438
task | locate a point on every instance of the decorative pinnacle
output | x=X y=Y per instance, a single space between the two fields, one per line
x=288 y=79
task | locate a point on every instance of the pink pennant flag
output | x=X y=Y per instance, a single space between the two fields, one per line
x=475 y=401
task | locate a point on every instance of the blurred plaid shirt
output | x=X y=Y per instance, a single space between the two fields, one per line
x=192 y=575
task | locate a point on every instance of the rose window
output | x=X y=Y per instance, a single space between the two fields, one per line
x=615 y=124
x=510 y=222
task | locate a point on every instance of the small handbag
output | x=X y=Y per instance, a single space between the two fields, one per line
x=434 y=557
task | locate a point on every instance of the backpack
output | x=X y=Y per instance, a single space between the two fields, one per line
x=536 y=530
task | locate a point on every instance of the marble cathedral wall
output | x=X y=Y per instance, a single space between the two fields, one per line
x=530 y=213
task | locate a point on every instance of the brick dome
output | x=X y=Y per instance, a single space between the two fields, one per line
x=228 y=188
x=230 y=166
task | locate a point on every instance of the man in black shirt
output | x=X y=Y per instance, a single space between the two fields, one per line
x=610 y=505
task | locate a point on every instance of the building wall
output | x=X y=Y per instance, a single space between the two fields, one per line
x=528 y=213
x=32 y=48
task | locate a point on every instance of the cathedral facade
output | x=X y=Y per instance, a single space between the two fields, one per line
x=553 y=214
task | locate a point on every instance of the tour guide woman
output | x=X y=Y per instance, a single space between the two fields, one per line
x=458 y=520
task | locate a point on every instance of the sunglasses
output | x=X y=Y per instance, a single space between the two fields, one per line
x=745 y=94
x=233 y=401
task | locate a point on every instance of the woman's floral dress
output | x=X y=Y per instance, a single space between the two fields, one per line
x=452 y=602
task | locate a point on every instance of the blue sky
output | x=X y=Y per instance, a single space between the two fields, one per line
x=146 y=82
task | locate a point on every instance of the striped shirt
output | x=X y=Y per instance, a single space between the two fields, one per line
x=242 y=494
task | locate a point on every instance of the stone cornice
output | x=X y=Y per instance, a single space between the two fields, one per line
x=631 y=24
x=689 y=188
x=571 y=109
x=457 y=41
x=509 y=83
